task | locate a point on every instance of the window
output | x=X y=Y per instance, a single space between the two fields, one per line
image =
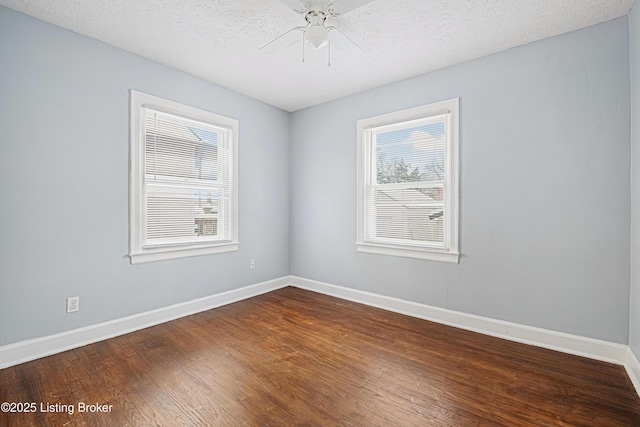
x=183 y=181
x=408 y=183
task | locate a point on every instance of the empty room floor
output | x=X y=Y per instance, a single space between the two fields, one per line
x=294 y=357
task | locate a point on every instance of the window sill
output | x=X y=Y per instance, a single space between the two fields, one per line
x=408 y=252
x=161 y=254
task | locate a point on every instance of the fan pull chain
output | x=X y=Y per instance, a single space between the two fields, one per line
x=329 y=52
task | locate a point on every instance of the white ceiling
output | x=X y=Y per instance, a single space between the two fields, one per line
x=218 y=40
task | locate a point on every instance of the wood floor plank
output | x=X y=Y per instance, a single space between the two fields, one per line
x=293 y=357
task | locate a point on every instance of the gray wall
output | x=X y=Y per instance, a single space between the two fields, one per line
x=64 y=123
x=634 y=54
x=544 y=187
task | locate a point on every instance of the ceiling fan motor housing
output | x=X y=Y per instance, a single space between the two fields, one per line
x=315 y=17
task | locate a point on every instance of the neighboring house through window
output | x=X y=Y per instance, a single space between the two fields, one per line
x=408 y=183
x=183 y=181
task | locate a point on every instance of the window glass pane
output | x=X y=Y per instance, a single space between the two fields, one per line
x=177 y=148
x=206 y=212
x=177 y=215
x=411 y=154
x=410 y=214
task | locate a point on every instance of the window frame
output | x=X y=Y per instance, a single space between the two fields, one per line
x=138 y=251
x=366 y=166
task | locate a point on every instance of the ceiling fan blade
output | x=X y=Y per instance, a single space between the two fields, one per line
x=344 y=43
x=283 y=41
x=296 y=5
x=340 y=7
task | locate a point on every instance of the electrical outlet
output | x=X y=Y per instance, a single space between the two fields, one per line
x=73 y=304
x=252 y=263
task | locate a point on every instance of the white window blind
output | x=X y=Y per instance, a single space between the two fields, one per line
x=184 y=178
x=408 y=181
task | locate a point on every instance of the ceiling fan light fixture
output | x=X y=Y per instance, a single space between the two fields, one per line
x=317 y=36
x=315 y=33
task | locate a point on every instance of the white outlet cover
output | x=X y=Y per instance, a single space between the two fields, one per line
x=73 y=304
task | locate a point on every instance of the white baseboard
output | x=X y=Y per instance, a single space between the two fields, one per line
x=559 y=341
x=633 y=369
x=25 y=351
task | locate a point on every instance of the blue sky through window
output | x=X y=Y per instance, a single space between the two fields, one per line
x=205 y=135
x=420 y=148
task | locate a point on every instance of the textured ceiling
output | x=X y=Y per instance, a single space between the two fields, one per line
x=218 y=40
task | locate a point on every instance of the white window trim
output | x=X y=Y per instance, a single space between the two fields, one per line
x=138 y=253
x=449 y=254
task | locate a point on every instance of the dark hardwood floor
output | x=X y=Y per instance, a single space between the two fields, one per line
x=293 y=357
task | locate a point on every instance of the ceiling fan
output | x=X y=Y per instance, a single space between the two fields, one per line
x=316 y=33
